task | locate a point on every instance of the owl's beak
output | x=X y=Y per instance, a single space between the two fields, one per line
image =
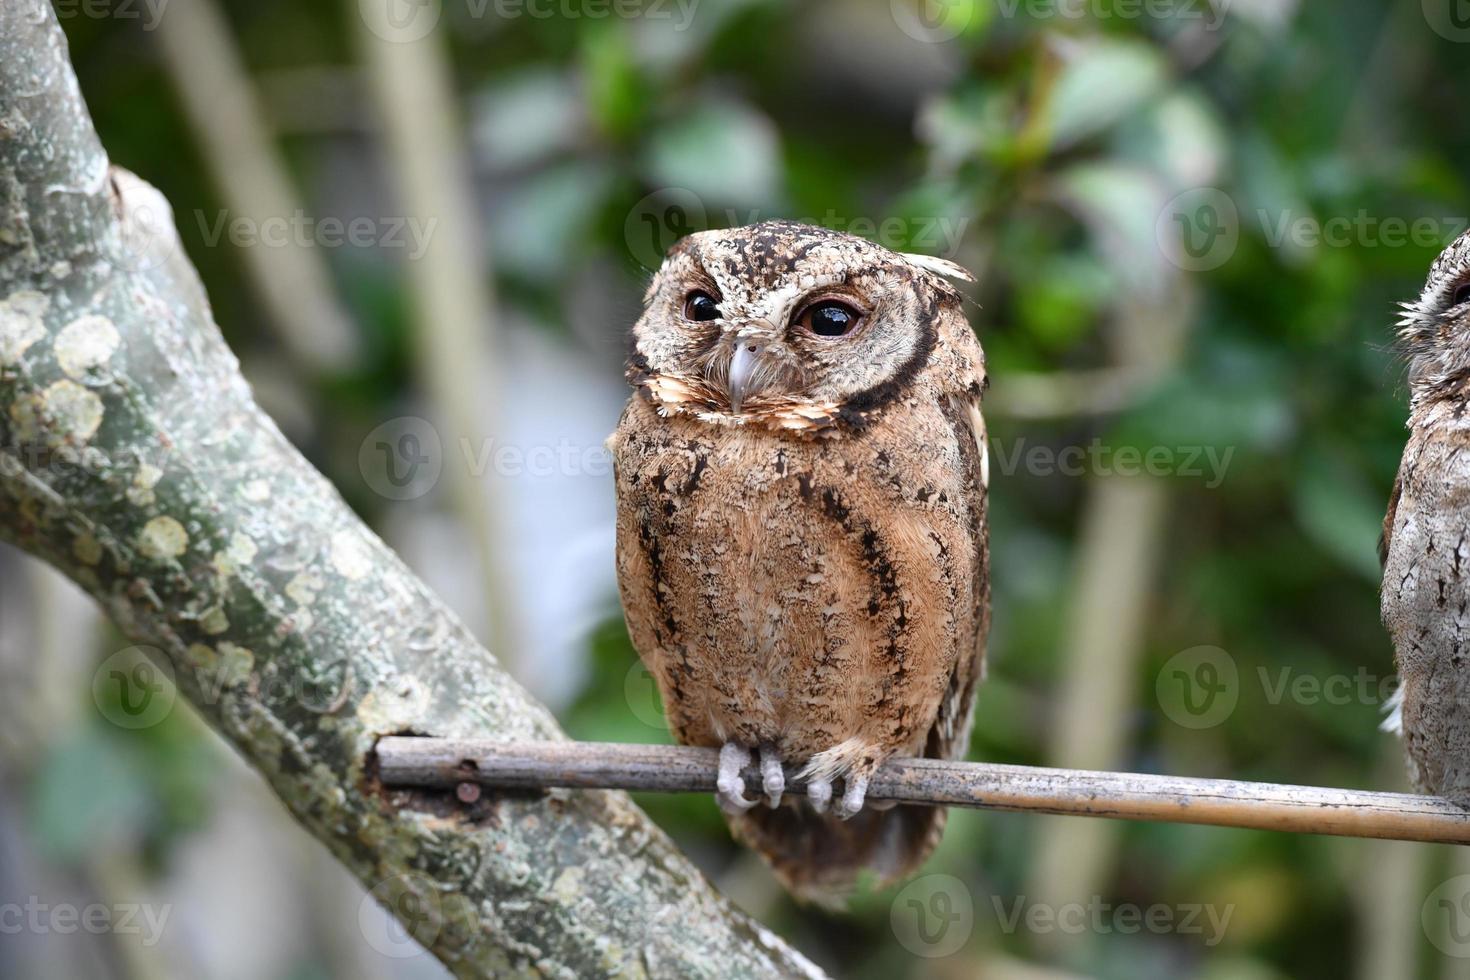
x=745 y=365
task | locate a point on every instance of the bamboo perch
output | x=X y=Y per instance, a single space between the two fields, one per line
x=446 y=763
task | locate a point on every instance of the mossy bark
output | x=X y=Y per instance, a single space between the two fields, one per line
x=133 y=458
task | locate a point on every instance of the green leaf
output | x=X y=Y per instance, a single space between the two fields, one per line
x=527 y=118
x=1338 y=511
x=1102 y=82
x=91 y=791
x=723 y=152
x=615 y=93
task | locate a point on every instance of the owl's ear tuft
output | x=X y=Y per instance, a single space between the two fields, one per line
x=940 y=267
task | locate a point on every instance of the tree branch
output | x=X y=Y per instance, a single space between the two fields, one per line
x=133 y=458
x=444 y=763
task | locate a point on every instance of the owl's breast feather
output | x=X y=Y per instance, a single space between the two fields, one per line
x=799 y=591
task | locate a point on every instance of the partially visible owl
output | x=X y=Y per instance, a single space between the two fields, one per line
x=1426 y=536
x=802 y=547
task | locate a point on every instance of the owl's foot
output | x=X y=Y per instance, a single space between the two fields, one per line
x=729 y=786
x=849 y=763
x=773 y=777
x=819 y=793
x=849 y=804
x=853 y=795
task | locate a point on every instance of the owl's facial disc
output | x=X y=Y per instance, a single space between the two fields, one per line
x=1434 y=332
x=786 y=326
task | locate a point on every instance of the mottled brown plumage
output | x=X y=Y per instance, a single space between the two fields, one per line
x=802 y=544
x=1426 y=536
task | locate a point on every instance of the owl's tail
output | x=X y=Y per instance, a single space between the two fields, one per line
x=819 y=857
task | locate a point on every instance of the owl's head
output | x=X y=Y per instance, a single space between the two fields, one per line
x=795 y=327
x=1435 y=330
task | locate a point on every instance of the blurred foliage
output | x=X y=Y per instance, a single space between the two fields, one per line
x=1043 y=152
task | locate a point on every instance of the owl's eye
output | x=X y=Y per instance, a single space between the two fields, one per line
x=829 y=318
x=1461 y=295
x=701 y=306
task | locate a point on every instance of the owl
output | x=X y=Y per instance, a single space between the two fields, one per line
x=1426 y=536
x=802 y=546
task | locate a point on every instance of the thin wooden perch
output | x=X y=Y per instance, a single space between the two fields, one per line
x=432 y=762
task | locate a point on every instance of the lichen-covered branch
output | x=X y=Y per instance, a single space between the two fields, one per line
x=133 y=458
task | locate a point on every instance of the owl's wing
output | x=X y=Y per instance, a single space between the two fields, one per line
x=950 y=736
x=1385 y=540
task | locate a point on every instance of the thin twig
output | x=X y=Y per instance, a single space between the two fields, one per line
x=456 y=329
x=239 y=146
x=429 y=762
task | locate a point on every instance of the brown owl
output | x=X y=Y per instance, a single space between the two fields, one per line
x=1426 y=536
x=802 y=553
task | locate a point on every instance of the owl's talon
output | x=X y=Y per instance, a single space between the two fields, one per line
x=819 y=794
x=773 y=777
x=729 y=787
x=852 y=798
